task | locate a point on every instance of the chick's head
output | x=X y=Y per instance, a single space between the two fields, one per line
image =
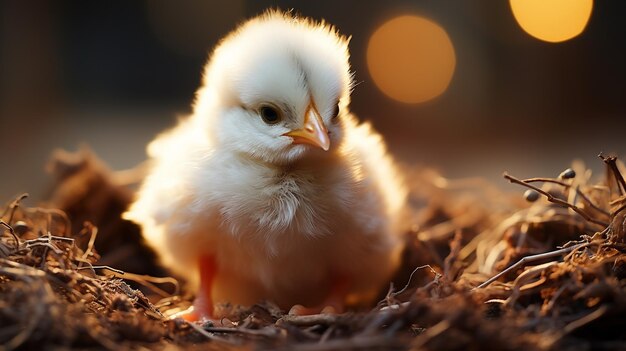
x=276 y=89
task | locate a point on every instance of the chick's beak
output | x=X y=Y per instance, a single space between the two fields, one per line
x=313 y=132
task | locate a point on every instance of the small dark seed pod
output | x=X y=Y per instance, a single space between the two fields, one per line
x=20 y=227
x=531 y=195
x=567 y=174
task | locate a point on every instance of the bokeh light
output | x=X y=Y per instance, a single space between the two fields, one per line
x=411 y=59
x=552 y=20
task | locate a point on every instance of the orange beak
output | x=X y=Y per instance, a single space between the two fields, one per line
x=313 y=132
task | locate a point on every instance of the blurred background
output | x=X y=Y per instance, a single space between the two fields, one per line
x=472 y=88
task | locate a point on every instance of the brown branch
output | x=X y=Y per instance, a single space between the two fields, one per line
x=586 y=319
x=204 y=333
x=13 y=206
x=114 y=270
x=15 y=237
x=408 y=283
x=92 y=239
x=556 y=200
x=611 y=162
x=568 y=186
x=313 y=319
x=430 y=333
x=147 y=281
x=529 y=259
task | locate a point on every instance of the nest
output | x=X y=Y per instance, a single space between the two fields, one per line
x=482 y=270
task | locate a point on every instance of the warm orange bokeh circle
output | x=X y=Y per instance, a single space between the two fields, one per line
x=552 y=20
x=411 y=59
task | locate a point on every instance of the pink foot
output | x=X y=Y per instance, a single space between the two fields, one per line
x=202 y=308
x=334 y=303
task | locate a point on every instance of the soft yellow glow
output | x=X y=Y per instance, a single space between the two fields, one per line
x=411 y=59
x=552 y=20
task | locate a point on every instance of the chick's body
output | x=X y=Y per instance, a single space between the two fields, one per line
x=239 y=183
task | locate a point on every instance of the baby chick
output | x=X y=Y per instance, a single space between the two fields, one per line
x=271 y=189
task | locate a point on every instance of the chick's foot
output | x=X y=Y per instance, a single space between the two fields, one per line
x=202 y=308
x=334 y=303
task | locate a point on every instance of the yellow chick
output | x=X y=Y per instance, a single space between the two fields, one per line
x=271 y=189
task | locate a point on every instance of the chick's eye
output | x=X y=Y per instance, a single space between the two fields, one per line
x=269 y=114
x=336 y=112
